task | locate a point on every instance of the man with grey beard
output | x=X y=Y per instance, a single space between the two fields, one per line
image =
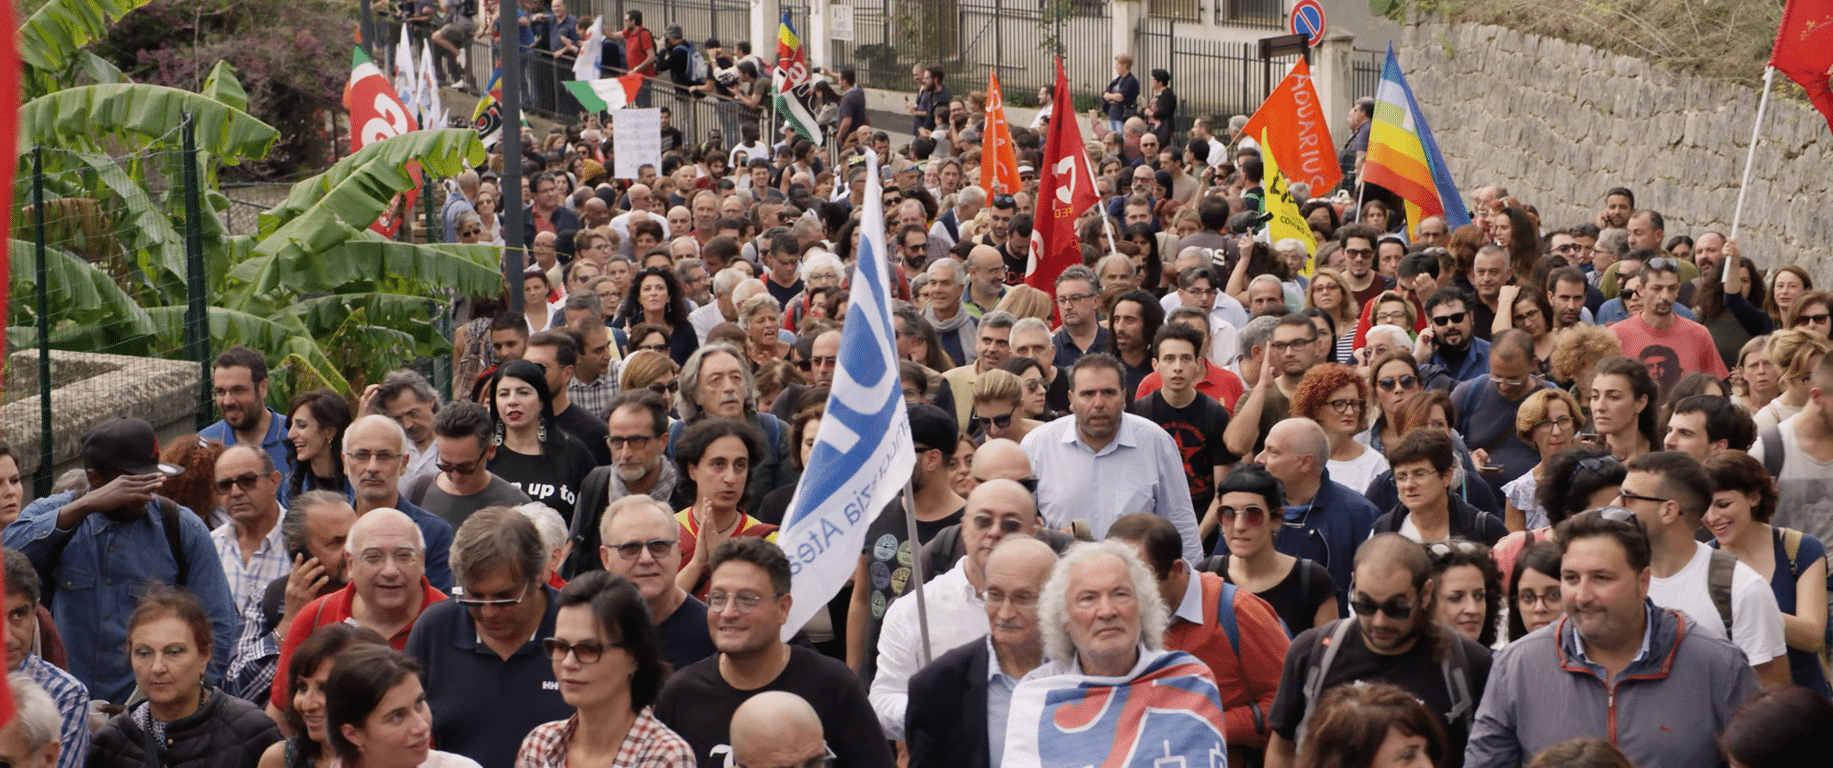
x=638 y=431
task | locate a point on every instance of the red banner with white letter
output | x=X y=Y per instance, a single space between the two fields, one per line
x=1804 y=50
x=1066 y=188
x=376 y=113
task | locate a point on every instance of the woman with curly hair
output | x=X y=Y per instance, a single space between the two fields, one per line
x=1794 y=353
x=1337 y=399
x=1467 y=589
x=1795 y=563
x=194 y=490
x=1547 y=420
x=655 y=297
x=1577 y=350
x=1373 y=725
x=1810 y=313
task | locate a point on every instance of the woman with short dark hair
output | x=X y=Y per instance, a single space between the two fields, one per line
x=306 y=674
x=1372 y=724
x=376 y=712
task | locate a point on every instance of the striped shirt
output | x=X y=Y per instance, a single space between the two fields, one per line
x=72 y=700
x=248 y=580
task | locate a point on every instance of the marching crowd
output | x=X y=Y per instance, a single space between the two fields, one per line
x=1518 y=492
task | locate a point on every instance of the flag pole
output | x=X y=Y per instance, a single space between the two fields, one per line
x=916 y=564
x=1737 y=214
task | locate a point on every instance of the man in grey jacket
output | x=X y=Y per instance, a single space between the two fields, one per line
x=1615 y=667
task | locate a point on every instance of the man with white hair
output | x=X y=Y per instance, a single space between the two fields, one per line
x=954 y=324
x=29 y=739
x=1265 y=292
x=1103 y=634
x=374 y=458
x=722 y=309
x=1031 y=338
x=986 y=280
x=947 y=230
x=641 y=199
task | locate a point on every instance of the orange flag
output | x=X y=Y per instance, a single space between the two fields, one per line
x=1295 y=120
x=999 y=163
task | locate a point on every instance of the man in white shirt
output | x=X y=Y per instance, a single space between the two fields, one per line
x=642 y=206
x=1668 y=491
x=957 y=615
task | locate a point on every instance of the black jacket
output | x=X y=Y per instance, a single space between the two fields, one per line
x=1467 y=522
x=226 y=732
x=946 y=722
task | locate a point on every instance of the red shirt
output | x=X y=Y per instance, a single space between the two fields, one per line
x=1685 y=347
x=331 y=609
x=1221 y=384
x=639 y=43
x=1247 y=675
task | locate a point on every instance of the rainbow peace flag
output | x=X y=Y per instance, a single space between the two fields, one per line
x=1403 y=158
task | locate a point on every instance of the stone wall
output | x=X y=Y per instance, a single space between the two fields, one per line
x=1559 y=123
x=88 y=389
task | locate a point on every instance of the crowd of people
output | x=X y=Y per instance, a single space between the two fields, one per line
x=1515 y=492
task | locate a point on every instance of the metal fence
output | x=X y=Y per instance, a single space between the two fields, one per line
x=1365 y=72
x=1211 y=78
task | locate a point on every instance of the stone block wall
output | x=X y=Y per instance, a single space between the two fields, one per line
x=1559 y=123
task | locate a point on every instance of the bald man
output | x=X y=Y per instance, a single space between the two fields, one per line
x=375 y=455
x=1325 y=521
x=776 y=729
x=640 y=198
x=956 y=717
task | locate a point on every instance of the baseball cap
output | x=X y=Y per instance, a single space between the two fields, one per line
x=933 y=429
x=126 y=445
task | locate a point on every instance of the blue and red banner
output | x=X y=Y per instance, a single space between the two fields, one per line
x=1168 y=711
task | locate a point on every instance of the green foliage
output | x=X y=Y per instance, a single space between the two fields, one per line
x=51 y=38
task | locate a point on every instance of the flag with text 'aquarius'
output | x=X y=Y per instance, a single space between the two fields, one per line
x=606 y=93
x=1293 y=115
x=1066 y=188
x=1804 y=51
x=793 y=88
x=999 y=165
x=1402 y=157
x=377 y=113
x=1285 y=221
x=863 y=451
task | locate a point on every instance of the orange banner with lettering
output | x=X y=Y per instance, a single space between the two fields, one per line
x=999 y=165
x=1296 y=122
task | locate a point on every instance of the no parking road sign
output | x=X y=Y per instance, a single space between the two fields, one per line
x=1307 y=19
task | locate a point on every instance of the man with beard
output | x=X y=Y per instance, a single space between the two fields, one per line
x=238 y=384
x=1674 y=345
x=643 y=544
x=1392 y=638
x=1078 y=305
x=1619 y=202
x=1133 y=324
x=1447 y=341
x=1358 y=243
x=1291 y=352
x=463 y=437
x=638 y=431
x=314 y=530
x=1106 y=463
x=557 y=352
x=1566 y=293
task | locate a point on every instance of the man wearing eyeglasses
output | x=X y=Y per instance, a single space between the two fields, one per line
x=249 y=544
x=637 y=432
x=464 y=441
x=1391 y=639
x=1289 y=354
x=488 y=680
x=643 y=544
x=748 y=603
x=1078 y=297
x=375 y=452
x=956 y=611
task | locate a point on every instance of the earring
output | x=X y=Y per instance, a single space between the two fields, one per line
x=498 y=438
x=541 y=435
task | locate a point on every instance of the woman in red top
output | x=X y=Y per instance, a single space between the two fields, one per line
x=715 y=458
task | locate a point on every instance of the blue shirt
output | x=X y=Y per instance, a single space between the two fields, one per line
x=483 y=705
x=438 y=534
x=102 y=574
x=72 y=701
x=1139 y=470
x=274 y=442
x=999 y=703
x=1474 y=363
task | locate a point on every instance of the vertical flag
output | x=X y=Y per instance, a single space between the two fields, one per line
x=1066 y=188
x=376 y=113
x=407 y=82
x=1402 y=157
x=487 y=119
x=791 y=85
x=9 y=131
x=1293 y=114
x=1286 y=221
x=999 y=166
x=432 y=109
x=1804 y=50
x=863 y=451
x=590 y=51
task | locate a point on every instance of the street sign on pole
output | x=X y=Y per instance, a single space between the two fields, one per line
x=1307 y=19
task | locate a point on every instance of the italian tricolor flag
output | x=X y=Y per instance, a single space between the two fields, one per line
x=607 y=94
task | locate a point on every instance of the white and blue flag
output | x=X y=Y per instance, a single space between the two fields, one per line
x=863 y=452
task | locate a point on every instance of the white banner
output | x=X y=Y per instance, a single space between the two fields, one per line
x=636 y=136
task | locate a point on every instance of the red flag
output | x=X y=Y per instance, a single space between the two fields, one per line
x=376 y=113
x=1804 y=50
x=1066 y=188
x=999 y=166
x=1295 y=120
x=9 y=129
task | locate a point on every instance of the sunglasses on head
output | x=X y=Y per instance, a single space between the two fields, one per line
x=1440 y=550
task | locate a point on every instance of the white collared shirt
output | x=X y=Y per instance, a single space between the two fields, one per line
x=957 y=616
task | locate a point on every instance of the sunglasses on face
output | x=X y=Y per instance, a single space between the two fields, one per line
x=979 y=423
x=470 y=232
x=1391 y=383
x=1253 y=515
x=587 y=651
x=246 y=482
x=1394 y=607
x=664 y=389
x=1455 y=317
x=631 y=550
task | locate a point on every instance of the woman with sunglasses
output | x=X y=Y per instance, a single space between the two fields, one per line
x=1794 y=353
x=1582 y=477
x=1038 y=392
x=1548 y=420
x=1251 y=508
x=650 y=336
x=1795 y=564
x=1334 y=397
x=998 y=396
x=1329 y=291
x=306 y=674
x=647 y=369
x=1534 y=596
x=1469 y=591
x=1394 y=377
x=1811 y=313
x=715 y=456
x=531 y=450
x=1623 y=398
x=315 y=423
x=608 y=661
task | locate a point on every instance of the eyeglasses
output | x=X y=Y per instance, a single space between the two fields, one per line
x=586 y=651
x=1030 y=483
x=1007 y=525
x=1627 y=494
x=469 y=468
x=467 y=602
x=246 y=482
x=1033 y=385
x=633 y=442
x=1075 y=298
x=1004 y=201
x=402 y=557
x=1397 y=317
x=1394 y=607
x=1563 y=424
x=1404 y=382
x=1359 y=253
x=1455 y=317
x=1415 y=476
x=1201 y=291
x=746 y=602
x=1664 y=263
x=1621 y=515
x=1281 y=346
x=978 y=423
x=631 y=550
x=1567 y=248
x=1347 y=406
x=1628 y=294
x=1593 y=464
x=1550 y=597
x=1440 y=550
x=1815 y=319
x=363 y=457
x=1253 y=515
x=664 y=389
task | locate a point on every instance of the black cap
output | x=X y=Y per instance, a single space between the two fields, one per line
x=126 y=445
x=933 y=429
